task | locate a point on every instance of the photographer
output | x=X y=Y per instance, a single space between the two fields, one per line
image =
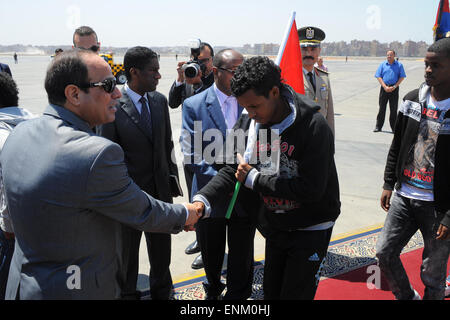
x=185 y=86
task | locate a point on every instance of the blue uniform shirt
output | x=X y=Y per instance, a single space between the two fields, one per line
x=390 y=73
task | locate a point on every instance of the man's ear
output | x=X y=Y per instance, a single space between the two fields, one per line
x=72 y=93
x=275 y=92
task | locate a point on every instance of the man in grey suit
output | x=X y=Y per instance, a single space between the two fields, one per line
x=68 y=190
x=142 y=128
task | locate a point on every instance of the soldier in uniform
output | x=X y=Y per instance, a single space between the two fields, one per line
x=316 y=80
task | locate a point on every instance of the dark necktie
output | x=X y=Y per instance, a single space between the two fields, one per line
x=146 y=119
x=311 y=80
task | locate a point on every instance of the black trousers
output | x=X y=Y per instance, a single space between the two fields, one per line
x=384 y=98
x=240 y=234
x=159 y=254
x=293 y=264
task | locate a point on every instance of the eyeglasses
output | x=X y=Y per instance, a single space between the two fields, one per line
x=108 y=85
x=94 y=48
x=229 y=70
x=203 y=61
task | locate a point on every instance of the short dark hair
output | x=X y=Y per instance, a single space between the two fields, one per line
x=84 y=31
x=258 y=73
x=9 y=94
x=66 y=68
x=137 y=57
x=390 y=50
x=441 y=46
x=204 y=45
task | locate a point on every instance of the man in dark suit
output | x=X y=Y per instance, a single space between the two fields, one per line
x=69 y=190
x=142 y=128
x=183 y=88
x=214 y=111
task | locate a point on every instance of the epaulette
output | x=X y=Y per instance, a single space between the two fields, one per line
x=321 y=70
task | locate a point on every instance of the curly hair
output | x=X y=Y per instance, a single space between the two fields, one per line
x=9 y=94
x=258 y=73
x=441 y=46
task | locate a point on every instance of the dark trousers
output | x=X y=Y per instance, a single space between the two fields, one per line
x=293 y=264
x=6 y=253
x=159 y=253
x=384 y=98
x=188 y=176
x=240 y=234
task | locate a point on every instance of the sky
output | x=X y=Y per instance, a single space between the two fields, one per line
x=156 y=23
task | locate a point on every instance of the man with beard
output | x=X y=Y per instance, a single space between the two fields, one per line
x=317 y=81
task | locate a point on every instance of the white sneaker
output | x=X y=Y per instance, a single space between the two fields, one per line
x=447 y=287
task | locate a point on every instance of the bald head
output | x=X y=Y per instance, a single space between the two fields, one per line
x=226 y=56
x=225 y=64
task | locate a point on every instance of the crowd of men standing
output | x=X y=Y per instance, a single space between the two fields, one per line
x=100 y=171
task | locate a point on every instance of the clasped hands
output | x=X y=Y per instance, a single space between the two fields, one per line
x=197 y=208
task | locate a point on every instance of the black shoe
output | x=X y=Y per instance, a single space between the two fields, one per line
x=198 y=263
x=209 y=296
x=376 y=130
x=192 y=248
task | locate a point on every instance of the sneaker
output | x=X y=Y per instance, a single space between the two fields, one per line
x=447 y=287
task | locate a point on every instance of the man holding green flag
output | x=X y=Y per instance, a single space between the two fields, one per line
x=209 y=116
x=297 y=205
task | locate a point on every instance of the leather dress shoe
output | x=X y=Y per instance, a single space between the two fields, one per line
x=376 y=130
x=192 y=248
x=198 y=263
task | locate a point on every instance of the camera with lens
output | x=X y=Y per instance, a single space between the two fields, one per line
x=192 y=68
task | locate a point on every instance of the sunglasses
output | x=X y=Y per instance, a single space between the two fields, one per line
x=108 y=85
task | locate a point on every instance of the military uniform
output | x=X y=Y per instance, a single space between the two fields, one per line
x=321 y=94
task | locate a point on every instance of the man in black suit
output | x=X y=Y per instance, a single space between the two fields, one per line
x=142 y=128
x=183 y=88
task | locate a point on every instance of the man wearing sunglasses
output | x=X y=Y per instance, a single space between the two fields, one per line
x=142 y=128
x=85 y=38
x=69 y=190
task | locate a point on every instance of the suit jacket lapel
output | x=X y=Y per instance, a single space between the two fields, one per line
x=215 y=111
x=130 y=109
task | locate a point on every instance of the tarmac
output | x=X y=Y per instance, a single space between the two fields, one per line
x=360 y=153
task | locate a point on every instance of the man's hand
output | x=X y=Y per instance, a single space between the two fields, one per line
x=242 y=170
x=195 y=212
x=180 y=71
x=443 y=233
x=385 y=200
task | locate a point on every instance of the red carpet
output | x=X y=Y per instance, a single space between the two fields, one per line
x=353 y=285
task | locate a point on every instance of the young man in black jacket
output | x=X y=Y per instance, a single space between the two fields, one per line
x=297 y=206
x=418 y=167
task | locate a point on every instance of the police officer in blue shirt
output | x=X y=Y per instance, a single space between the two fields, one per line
x=390 y=74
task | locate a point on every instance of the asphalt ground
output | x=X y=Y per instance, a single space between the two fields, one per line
x=360 y=153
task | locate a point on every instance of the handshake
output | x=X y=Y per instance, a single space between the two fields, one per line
x=195 y=212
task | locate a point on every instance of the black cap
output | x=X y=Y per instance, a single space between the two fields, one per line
x=310 y=36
